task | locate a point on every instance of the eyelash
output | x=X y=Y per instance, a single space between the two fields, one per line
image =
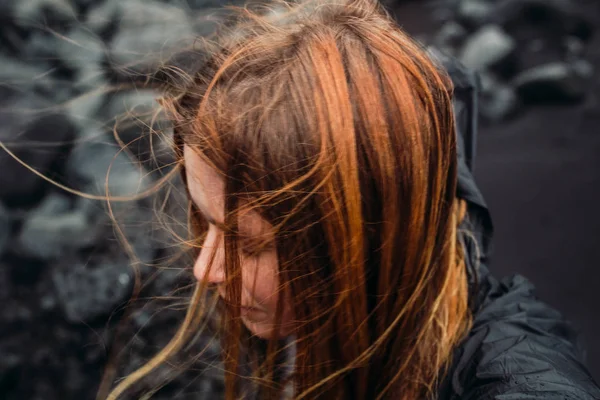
x=251 y=251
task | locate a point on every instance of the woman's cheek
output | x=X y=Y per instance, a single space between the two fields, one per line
x=260 y=280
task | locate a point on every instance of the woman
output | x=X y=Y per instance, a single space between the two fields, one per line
x=336 y=218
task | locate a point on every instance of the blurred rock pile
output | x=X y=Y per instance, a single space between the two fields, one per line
x=69 y=71
x=527 y=51
x=68 y=76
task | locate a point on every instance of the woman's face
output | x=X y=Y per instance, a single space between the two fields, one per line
x=260 y=281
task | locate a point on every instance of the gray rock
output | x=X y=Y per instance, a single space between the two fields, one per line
x=14 y=311
x=134 y=220
x=450 y=37
x=574 y=48
x=86 y=292
x=52 y=230
x=81 y=48
x=149 y=33
x=142 y=126
x=554 y=82
x=442 y=13
x=134 y=116
x=474 y=13
x=43 y=13
x=89 y=84
x=539 y=50
x=84 y=53
x=498 y=101
x=206 y=21
x=205 y=4
x=40 y=48
x=102 y=18
x=5 y=229
x=85 y=4
x=557 y=18
x=488 y=47
x=48 y=303
x=139 y=227
x=134 y=103
x=36 y=138
x=92 y=161
x=83 y=108
x=53 y=204
x=17 y=73
x=583 y=68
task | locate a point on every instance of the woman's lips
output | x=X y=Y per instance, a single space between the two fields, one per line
x=253 y=313
x=244 y=307
x=248 y=309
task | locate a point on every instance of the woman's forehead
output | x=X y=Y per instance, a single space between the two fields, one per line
x=207 y=191
x=206 y=187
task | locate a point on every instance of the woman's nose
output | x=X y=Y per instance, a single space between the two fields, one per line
x=216 y=273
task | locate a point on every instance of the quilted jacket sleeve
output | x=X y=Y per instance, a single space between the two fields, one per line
x=519 y=348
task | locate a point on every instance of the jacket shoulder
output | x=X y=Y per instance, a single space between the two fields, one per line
x=518 y=348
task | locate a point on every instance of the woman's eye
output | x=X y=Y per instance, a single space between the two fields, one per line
x=249 y=249
x=250 y=252
x=252 y=249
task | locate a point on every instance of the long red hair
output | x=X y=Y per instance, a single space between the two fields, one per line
x=339 y=129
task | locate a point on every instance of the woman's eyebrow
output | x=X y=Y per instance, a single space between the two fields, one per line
x=220 y=225
x=210 y=219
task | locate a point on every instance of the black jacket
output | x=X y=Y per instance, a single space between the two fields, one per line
x=519 y=347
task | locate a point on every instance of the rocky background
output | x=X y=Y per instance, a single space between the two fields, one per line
x=70 y=71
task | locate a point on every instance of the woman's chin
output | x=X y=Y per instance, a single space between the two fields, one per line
x=263 y=329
